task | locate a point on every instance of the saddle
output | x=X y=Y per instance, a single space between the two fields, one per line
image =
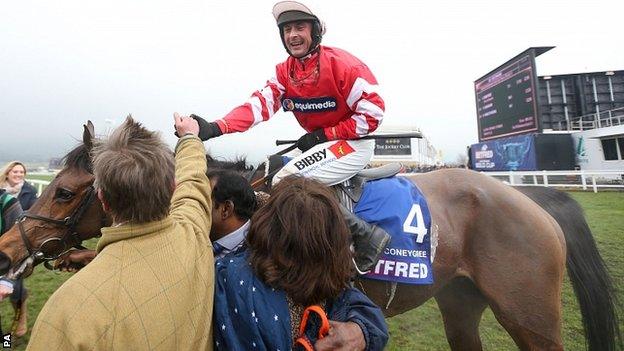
x=349 y=191
x=353 y=187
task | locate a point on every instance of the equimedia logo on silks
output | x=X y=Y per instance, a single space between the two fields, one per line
x=320 y=104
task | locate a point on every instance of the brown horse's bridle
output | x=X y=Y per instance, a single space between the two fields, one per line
x=70 y=239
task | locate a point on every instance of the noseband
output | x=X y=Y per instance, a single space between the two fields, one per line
x=70 y=239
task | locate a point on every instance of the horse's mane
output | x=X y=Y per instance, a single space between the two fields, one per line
x=238 y=165
x=79 y=158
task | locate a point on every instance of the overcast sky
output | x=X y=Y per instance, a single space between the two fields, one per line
x=63 y=62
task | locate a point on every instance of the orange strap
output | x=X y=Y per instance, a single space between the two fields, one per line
x=323 y=330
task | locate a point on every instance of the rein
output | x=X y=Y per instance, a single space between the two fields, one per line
x=270 y=175
x=70 y=239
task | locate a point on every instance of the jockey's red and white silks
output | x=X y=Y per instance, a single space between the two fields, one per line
x=332 y=90
x=330 y=163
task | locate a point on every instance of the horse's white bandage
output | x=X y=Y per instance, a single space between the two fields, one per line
x=393 y=287
x=434 y=239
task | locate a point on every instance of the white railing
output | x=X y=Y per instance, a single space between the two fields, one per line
x=39 y=184
x=601 y=119
x=564 y=179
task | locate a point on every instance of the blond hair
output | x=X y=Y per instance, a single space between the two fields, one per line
x=5 y=172
x=134 y=169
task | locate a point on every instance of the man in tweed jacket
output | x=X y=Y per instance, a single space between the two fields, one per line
x=151 y=285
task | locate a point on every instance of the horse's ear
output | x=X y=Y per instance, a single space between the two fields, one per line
x=88 y=135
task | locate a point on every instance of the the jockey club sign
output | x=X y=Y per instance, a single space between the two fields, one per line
x=393 y=146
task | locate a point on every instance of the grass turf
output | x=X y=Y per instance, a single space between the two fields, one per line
x=422 y=329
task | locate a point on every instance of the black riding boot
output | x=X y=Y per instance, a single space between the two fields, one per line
x=369 y=241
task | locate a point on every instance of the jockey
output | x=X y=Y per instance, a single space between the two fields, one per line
x=334 y=97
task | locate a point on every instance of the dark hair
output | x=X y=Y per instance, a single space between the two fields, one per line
x=299 y=242
x=134 y=168
x=230 y=185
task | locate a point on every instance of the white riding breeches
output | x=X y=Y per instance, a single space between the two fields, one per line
x=331 y=162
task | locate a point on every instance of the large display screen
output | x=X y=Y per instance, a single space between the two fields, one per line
x=506 y=99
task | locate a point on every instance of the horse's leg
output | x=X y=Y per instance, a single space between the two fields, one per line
x=523 y=289
x=20 y=307
x=461 y=305
x=533 y=326
x=20 y=326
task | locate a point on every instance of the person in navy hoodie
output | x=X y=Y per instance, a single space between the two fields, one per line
x=297 y=255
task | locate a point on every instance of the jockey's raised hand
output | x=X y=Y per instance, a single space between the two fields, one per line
x=207 y=130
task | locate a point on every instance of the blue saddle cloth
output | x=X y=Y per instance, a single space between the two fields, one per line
x=398 y=206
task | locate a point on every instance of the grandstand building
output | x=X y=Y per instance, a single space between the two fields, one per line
x=411 y=152
x=562 y=122
x=590 y=107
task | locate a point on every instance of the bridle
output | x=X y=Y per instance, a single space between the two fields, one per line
x=70 y=238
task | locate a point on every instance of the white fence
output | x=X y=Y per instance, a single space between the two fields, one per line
x=565 y=179
x=39 y=184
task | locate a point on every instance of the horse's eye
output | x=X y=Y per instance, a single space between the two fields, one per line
x=63 y=194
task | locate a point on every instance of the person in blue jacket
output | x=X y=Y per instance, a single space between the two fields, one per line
x=297 y=255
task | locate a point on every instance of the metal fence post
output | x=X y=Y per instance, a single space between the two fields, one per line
x=583 y=180
x=594 y=184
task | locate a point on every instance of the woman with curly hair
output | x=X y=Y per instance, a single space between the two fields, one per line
x=298 y=255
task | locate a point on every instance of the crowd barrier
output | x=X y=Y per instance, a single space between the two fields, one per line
x=584 y=179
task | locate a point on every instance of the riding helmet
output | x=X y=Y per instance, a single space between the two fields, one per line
x=291 y=11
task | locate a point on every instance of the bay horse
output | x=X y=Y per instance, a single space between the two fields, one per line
x=497 y=246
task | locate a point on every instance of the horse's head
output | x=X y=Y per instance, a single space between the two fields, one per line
x=67 y=212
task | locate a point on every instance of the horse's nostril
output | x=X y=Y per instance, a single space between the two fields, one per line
x=5 y=263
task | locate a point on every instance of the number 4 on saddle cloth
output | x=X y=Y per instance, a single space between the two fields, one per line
x=398 y=206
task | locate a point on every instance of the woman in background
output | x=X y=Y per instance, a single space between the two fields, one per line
x=14 y=183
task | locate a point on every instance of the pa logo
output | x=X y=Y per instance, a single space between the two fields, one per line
x=288 y=105
x=6 y=341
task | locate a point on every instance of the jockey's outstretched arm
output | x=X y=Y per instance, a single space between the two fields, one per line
x=260 y=106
